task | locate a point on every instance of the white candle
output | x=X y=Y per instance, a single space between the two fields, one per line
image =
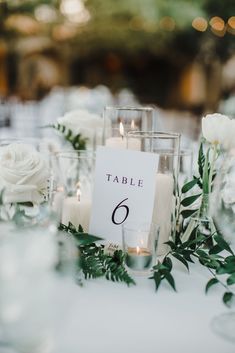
x=163 y=208
x=77 y=212
x=134 y=144
x=116 y=142
x=120 y=142
x=57 y=203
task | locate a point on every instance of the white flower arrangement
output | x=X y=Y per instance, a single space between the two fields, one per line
x=23 y=174
x=218 y=129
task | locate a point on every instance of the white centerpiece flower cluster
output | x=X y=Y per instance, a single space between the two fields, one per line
x=218 y=129
x=82 y=122
x=23 y=174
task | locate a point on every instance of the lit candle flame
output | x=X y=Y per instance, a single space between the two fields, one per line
x=121 y=129
x=79 y=194
x=132 y=125
x=138 y=250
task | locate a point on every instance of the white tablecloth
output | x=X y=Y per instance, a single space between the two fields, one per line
x=106 y=317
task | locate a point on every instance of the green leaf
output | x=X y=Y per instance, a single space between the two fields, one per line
x=85 y=238
x=211 y=283
x=227 y=298
x=202 y=253
x=170 y=279
x=181 y=259
x=167 y=263
x=231 y=279
x=230 y=260
x=205 y=179
x=80 y=229
x=157 y=279
x=1 y=197
x=188 y=186
x=171 y=244
x=216 y=249
x=222 y=243
x=201 y=160
x=187 y=213
x=77 y=141
x=189 y=200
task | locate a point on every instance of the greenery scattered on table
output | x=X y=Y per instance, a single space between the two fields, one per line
x=191 y=243
x=196 y=249
x=93 y=261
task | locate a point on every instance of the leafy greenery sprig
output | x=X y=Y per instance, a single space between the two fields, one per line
x=191 y=243
x=77 y=141
x=93 y=261
x=187 y=252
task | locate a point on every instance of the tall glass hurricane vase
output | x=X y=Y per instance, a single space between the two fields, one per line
x=118 y=121
x=71 y=198
x=166 y=146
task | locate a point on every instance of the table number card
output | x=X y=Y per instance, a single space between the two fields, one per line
x=124 y=189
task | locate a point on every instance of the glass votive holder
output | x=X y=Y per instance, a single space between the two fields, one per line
x=140 y=246
x=127 y=119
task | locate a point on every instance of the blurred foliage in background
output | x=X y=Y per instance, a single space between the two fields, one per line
x=147 y=45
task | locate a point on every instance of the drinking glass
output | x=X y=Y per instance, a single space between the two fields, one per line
x=222 y=209
x=167 y=146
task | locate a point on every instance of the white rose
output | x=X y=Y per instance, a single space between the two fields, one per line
x=215 y=128
x=23 y=174
x=219 y=129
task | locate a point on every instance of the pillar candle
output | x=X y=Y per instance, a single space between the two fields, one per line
x=77 y=212
x=163 y=208
x=121 y=143
x=116 y=142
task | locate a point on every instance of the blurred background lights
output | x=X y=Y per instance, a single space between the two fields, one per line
x=75 y=11
x=45 y=13
x=200 y=24
x=217 y=23
x=22 y=23
x=167 y=23
x=231 y=22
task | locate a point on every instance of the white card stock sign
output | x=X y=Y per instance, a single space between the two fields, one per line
x=124 y=190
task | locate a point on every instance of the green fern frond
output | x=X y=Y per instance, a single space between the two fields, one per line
x=77 y=141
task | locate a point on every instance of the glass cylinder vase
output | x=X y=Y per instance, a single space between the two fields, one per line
x=166 y=146
x=72 y=192
x=118 y=121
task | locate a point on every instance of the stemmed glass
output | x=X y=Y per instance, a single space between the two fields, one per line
x=222 y=209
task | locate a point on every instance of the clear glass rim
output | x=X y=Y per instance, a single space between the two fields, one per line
x=155 y=134
x=25 y=139
x=76 y=154
x=186 y=152
x=141 y=227
x=130 y=108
